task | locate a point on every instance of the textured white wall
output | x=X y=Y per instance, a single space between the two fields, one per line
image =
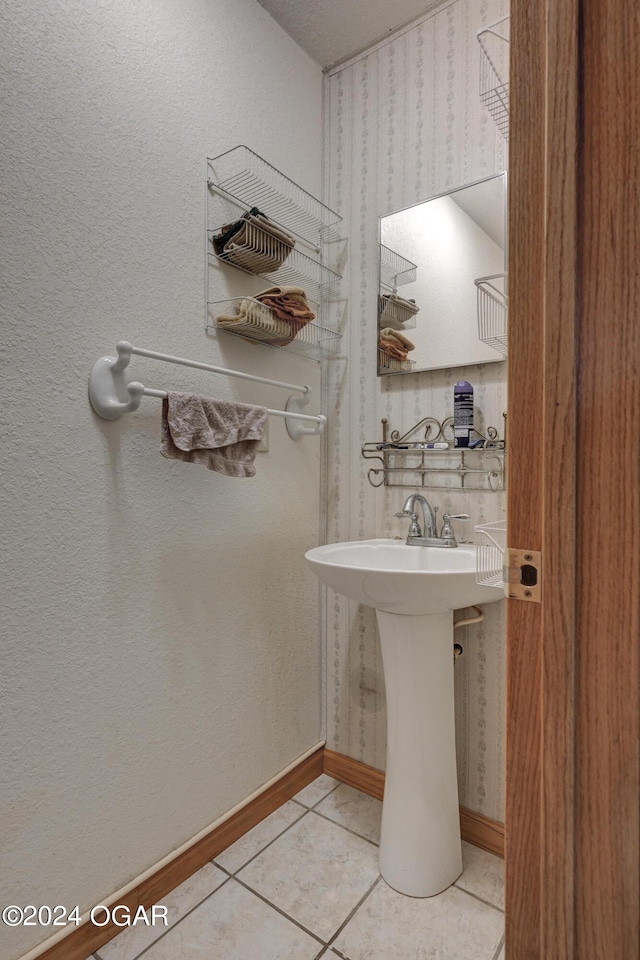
x=160 y=649
x=405 y=123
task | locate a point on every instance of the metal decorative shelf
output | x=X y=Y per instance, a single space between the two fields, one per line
x=493 y=305
x=494 y=72
x=252 y=320
x=405 y=461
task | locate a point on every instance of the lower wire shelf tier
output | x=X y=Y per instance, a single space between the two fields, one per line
x=389 y=364
x=253 y=321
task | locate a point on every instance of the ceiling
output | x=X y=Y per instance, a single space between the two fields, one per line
x=331 y=30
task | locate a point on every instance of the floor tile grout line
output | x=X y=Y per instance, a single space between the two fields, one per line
x=279 y=910
x=498 y=948
x=348 y=829
x=177 y=923
x=481 y=899
x=375 y=883
x=324 y=797
x=333 y=789
x=262 y=849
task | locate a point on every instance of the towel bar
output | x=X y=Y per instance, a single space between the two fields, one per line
x=112 y=393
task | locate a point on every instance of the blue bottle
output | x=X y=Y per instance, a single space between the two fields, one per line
x=462 y=413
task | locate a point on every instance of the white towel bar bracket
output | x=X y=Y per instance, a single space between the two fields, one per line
x=113 y=392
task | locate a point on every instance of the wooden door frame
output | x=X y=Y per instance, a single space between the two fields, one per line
x=573 y=723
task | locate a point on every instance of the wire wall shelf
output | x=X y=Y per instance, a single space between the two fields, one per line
x=389 y=364
x=245 y=176
x=492 y=544
x=493 y=304
x=494 y=72
x=395 y=271
x=253 y=321
x=396 y=313
x=269 y=259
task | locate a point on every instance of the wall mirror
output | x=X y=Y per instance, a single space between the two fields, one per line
x=432 y=256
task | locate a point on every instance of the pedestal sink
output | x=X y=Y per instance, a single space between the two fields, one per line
x=414 y=590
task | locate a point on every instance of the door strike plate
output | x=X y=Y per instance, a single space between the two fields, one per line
x=523 y=575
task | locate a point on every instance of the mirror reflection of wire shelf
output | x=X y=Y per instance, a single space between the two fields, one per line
x=395 y=270
x=393 y=364
x=493 y=303
x=494 y=72
x=396 y=312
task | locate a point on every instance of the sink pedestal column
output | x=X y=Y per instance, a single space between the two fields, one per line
x=420 y=848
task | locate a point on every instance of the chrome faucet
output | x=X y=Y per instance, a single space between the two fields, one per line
x=427 y=535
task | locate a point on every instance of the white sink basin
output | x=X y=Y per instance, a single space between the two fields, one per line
x=396 y=578
x=414 y=590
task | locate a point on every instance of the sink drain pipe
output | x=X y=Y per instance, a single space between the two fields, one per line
x=457 y=648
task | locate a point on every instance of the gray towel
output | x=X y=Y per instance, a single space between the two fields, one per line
x=221 y=434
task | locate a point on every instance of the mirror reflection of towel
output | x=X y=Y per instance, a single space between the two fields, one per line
x=221 y=434
x=394 y=343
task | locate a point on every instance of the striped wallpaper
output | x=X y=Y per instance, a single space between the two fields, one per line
x=404 y=122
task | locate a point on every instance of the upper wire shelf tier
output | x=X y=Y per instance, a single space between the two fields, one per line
x=252 y=181
x=250 y=319
x=493 y=304
x=494 y=72
x=395 y=270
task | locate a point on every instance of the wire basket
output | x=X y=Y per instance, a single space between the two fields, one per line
x=252 y=320
x=493 y=303
x=494 y=72
x=399 y=315
x=492 y=545
x=254 y=248
x=266 y=257
x=389 y=364
x=395 y=270
x=244 y=175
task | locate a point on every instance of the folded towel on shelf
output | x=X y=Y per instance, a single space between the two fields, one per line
x=394 y=344
x=392 y=348
x=221 y=434
x=257 y=321
x=392 y=299
x=254 y=243
x=388 y=334
x=289 y=304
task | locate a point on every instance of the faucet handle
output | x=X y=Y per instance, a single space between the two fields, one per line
x=447 y=530
x=414 y=526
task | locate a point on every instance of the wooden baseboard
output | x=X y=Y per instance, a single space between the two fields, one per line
x=476 y=829
x=87 y=938
x=481 y=831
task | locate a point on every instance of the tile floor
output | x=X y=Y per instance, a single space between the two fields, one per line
x=304 y=884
